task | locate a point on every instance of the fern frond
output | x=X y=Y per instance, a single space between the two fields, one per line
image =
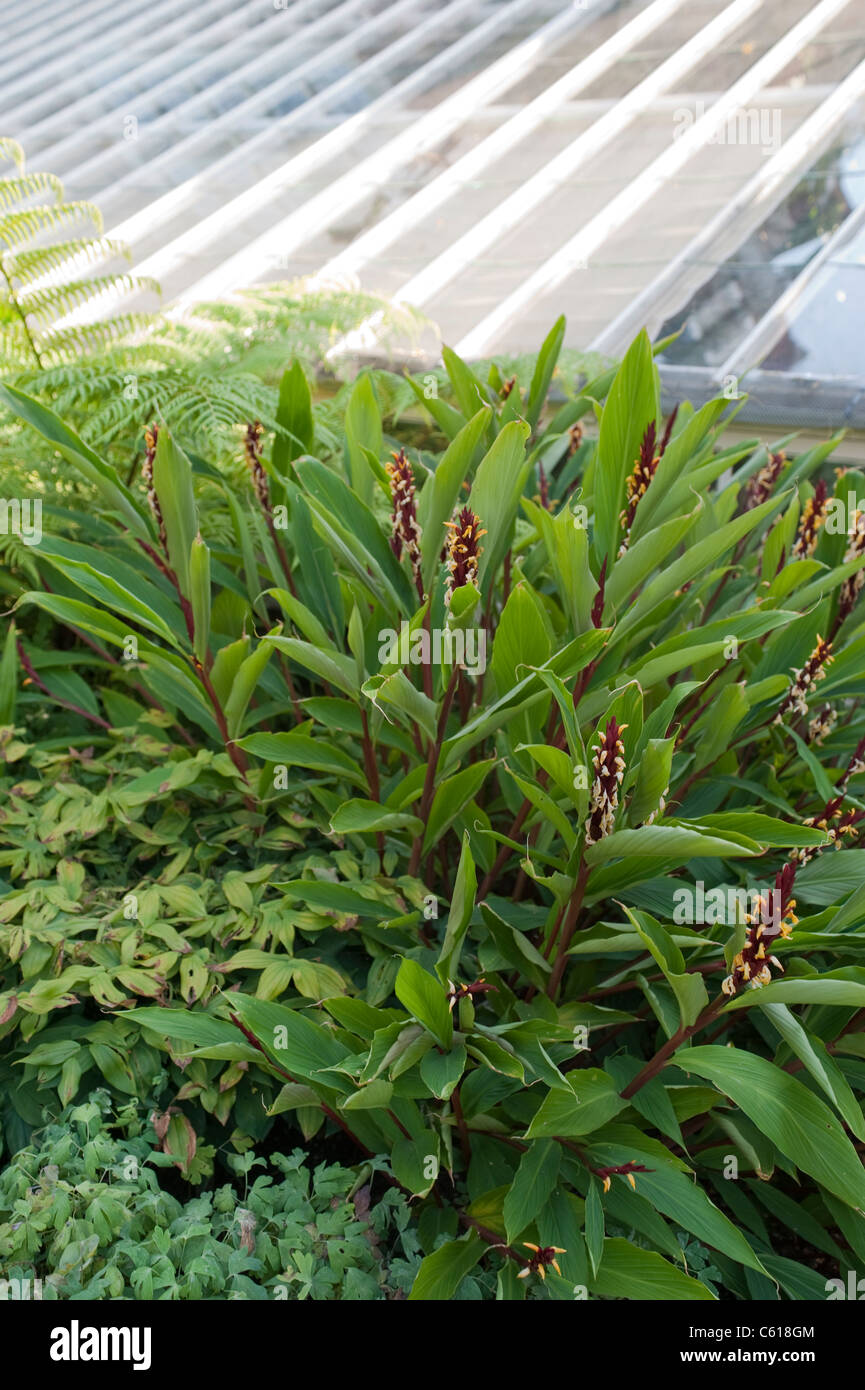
x=54 y=300
x=26 y=223
x=17 y=190
x=28 y=265
x=90 y=337
x=14 y=347
x=10 y=149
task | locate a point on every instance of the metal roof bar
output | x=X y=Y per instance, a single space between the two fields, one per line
x=425 y=133
x=736 y=221
x=169 y=204
x=532 y=193
x=108 y=23
x=188 y=24
x=764 y=333
x=47 y=24
x=310 y=159
x=622 y=208
x=526 y=120
x=252 y=67
x=320 y=61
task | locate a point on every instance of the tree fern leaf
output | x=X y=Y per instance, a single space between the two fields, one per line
x=24 y=266
x=10 y=149
x=17 y=190
x=53 y=300
x=26 y=223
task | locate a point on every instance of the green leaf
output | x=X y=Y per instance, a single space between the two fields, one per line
x=533 y=1184
x=424 y=998
x=441 y=492
x=294 y=415
x=452 y=796
x=243 y=686
x=676 y=1195
x=362 y=431
x=689 y=989
x=797 y=1122
x=376 y=1095
x=840 y=987
x=677 y=843
x=329 y=665
x=441 y=1071
x=199 y=583
x=634 y=1274
x=594 y=1226
x=397 y=692
x=522 y=638
x=442 y=1272
x=821 y=1064
x=653 y=779
x=589 y=1101
x=631 y=405
x=462 y=907
x=467 y=388
x=299 y=750
x=172 y=483
x=496 y=491
x=415 y=1162
x=545 y=365
x=353 y=532
x=9 y=676
x=114 y=493
x=360 y=817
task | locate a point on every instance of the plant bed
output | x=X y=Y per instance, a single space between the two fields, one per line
x=488 y=807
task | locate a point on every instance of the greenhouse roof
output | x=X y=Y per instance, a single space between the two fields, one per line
x=491 y=162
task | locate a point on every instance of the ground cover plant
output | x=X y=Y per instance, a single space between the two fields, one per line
x=477 y=800
x=83 y=1212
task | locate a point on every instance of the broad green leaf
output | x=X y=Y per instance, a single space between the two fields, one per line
x=362 y=431
x=299 y=750
x=294 y=415
x=461 y=909
x=797 y=1122
x=631 y=1273
x=442 y=1272
x=442 y=1071
x=441 y=492
x=424 y=997
x=104 y=478
x=589 y=1101
x=495 y=497
x=532 y=1186
x=360 y=817
x=631 y=405
x=452 y=796
x=172 y=483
